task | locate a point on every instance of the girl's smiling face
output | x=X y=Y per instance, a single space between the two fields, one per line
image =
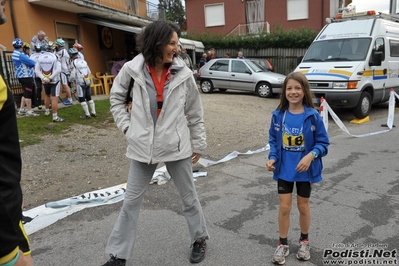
x=170 y=49
x=294 y=92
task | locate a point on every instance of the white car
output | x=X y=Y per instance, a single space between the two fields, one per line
x=239 y=74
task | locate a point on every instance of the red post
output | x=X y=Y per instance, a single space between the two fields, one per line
x=321 y=109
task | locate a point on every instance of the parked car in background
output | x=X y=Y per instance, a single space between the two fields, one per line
x=264 y=63
x=239 y=74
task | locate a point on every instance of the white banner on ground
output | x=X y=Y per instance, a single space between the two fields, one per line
x=49 y=213
x=325 y=109
x=230 y=156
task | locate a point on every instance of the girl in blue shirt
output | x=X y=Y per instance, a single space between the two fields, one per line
x=298 y=140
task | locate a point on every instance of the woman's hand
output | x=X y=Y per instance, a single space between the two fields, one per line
x=195 y=157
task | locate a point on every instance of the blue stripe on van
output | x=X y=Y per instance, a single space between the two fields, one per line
x=328 y=74
x=379 y=77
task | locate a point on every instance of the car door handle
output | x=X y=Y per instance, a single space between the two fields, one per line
x=210 y=73
x=233 y=75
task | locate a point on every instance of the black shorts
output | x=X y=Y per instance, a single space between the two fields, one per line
x=24 y=243
x=50 y=89
x=28 y=85
x=303 y=189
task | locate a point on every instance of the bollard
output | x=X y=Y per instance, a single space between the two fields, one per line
x=321 y=109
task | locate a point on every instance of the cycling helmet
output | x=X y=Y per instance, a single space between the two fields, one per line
x=50 y=46
x=38 y=47
x=78 y=46
x=60 y=42
x=17 y=43
x=26 y=45
x=72 y=52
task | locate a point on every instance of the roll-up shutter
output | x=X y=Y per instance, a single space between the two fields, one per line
x=67 y=31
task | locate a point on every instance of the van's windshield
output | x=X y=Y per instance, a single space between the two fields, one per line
x=338 y=50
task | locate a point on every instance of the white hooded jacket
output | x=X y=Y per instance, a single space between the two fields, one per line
x=178 y=131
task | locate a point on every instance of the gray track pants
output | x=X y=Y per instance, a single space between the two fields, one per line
x=122 y=238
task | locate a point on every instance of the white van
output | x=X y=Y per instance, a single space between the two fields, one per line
x=354 y=61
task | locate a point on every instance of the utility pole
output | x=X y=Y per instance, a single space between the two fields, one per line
x=393 y=7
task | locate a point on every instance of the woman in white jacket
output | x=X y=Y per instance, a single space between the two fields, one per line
x=165 y=125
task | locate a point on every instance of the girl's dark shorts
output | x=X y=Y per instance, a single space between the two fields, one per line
x=303 y=189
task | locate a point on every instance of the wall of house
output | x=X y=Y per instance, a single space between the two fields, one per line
x=234 y=15
x=275 y=14
x=31 y=18
x=6 y=32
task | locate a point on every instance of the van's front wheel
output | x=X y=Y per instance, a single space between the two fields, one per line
x=364 y=106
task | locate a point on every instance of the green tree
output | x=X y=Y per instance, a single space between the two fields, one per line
x=174 y=11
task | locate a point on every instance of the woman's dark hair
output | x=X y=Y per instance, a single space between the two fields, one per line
x=308 y=95
x=154 y=38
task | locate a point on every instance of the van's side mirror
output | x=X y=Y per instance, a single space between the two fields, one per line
x=376 y=59
x=299 y=59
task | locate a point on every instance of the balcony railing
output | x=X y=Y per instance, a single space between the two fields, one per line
x=251 y=28
x=140 y=8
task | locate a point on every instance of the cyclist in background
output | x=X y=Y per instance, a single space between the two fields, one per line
x=79 y=47
x=48 y=69
x=38 y=82
x=80 y=76
x=26 y=48
x=24 y=69
x=64 y=59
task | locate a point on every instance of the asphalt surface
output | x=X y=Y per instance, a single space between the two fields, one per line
x=355 y=207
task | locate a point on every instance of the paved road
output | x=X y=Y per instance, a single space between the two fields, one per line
x=356 y=204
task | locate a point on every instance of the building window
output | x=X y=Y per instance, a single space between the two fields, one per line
x=297 y=9
x=334 y=7
x=132 y=5
x=214 y=15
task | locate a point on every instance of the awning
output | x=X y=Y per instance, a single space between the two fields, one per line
x=192 y=45
x=199 y=46
x=111 y=24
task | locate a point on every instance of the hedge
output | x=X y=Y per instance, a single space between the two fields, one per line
x=279 y=38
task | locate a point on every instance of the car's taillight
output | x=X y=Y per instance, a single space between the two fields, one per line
x=198 y=75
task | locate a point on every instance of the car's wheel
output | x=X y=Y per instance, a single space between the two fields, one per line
x=222 y=90
x=264 y=90
x=206 y=86
x=364 y=106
